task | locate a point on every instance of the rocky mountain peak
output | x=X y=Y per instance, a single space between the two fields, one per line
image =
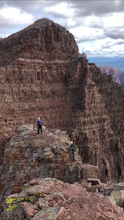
x=43 y=22
x=42 y=40
x=42 y=75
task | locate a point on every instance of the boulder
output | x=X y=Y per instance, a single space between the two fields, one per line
x=24 y=128
x=118 y=197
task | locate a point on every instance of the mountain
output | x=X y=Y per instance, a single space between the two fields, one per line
x=43 y=40
x=43 y=75
x=118 y=75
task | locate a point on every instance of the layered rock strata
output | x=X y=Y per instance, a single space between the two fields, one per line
x=43 y=75
x=44 y=40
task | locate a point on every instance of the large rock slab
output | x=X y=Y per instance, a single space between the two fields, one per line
x=117 y=198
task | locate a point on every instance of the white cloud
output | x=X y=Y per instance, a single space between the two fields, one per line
x=62 y=9
x=71 y=22
x=14 y=16
x=88 y=21
x=117 y=2
x=97 y=8
x=82 y=33
x=25 y=5
x=113 y=20
x=103 y=47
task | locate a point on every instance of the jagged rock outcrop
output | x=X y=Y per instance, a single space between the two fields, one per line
x=55 y=200
x=42 y=74
x=29 y=155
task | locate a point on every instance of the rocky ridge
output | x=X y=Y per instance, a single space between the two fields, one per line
x=29 y=189
x=29 y=155
x=47 y=77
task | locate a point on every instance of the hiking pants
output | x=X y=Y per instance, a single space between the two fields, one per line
x=39 y=128
x=73 y=154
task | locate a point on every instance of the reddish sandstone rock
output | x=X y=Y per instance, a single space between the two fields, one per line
x=75 y=204
x=28 y=155
x=43 y=75
x=29 y=209
x=43 y=203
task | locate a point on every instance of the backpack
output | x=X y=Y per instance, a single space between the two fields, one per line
x=73 y=147
x=40 y=122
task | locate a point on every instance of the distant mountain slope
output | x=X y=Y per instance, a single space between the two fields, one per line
x=117 y=62
x=118 y=75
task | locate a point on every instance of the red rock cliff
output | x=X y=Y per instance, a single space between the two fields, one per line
x=43 y=75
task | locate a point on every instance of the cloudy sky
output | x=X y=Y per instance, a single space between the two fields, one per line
x=98 y=26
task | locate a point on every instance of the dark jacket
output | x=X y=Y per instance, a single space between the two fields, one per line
x=73 y=147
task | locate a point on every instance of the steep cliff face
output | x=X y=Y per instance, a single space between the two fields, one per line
x=32 y=74
x=97 y=125
x=112 y=96
x=43 y=75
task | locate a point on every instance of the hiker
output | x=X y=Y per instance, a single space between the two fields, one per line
x=39 y=124
x=73 y=148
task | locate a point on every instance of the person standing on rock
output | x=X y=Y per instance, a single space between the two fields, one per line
x=39 y=124
x=73 y=148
